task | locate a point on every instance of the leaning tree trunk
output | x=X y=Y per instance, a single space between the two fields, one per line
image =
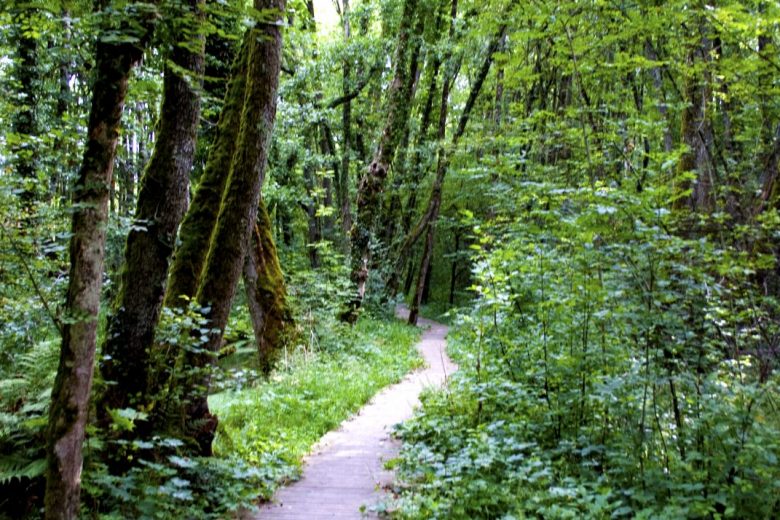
x=73 y=383
x=237 y=214
x=372 y=183
x=266 y=292
x=161 y=205
x=198 y=224
x=200 y=219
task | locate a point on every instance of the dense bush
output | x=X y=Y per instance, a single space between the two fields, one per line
x=609 y=368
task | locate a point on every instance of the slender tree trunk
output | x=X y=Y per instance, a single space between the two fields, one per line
x=392 y=204
x=24 y=121
x=418 y=167
x=161 y=204
x=237 y=214
x=73 y=383
x=314 y=232
x=326 y=144
x=64 y=101
x=454 y=268
x=770 y=132
x=372 y=183
x=346 y=130
x=434 y=205
x=432 y=212
x=266 y=292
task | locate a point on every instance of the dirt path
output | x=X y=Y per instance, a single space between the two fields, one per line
x=345 y=471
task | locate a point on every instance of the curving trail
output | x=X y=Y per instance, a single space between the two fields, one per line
x=345 y=471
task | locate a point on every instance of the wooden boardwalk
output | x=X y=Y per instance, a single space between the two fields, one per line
x=344 y=476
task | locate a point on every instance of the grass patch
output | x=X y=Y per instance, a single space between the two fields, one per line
x=274 y=423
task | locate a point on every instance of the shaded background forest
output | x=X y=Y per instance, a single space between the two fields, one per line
x=593 y=185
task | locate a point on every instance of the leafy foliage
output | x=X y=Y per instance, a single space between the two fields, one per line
x=604 y=373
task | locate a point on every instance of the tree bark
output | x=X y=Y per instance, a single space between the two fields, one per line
x=418 y=167
x=770 y=133
x=266 y=292
x=696 y=134
x=372 y=182
x=313 y=228
x=73 y=383
x=227 y=252
x=162 y=202
x=200 y=219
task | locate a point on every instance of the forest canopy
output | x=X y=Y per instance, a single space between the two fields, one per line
x=210 y=209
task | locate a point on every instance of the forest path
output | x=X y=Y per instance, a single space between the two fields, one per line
x=345 y=471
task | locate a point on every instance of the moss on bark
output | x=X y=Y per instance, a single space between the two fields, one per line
x=237 y=214
x=200 y=220
x=161 y=204
x=372 y=182
x=73 y=383
x=266 y=292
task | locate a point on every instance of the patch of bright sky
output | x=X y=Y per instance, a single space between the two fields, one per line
x=326 y=16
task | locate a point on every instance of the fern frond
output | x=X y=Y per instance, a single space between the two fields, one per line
x=17 y=467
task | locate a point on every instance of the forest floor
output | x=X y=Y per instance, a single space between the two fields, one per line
x=345 y=476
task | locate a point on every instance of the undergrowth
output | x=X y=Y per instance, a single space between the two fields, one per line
x=608 y=369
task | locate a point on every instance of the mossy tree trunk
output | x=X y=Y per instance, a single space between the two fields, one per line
x=266 y=292
x=73 y=383
x=391 y=207
x=162 y=202
x=201 y=217
x=417 y=167
x=238 y=211
x=196 y=229
x=372 y=182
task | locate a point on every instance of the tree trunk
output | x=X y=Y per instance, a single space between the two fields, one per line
x=24 y=121
x=418 y=166
x=200 y=219
x=434 y=205
x=372 y=183
x=770 y=131
x=454 y=269
x=73 y=383
x=696 y=134
x=346 y=130
x=314 y=233
x=328 y=149
x=162 y=202
x=227 y=252
x=266 y=292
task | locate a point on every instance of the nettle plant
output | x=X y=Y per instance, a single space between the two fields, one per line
x=609 y=368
